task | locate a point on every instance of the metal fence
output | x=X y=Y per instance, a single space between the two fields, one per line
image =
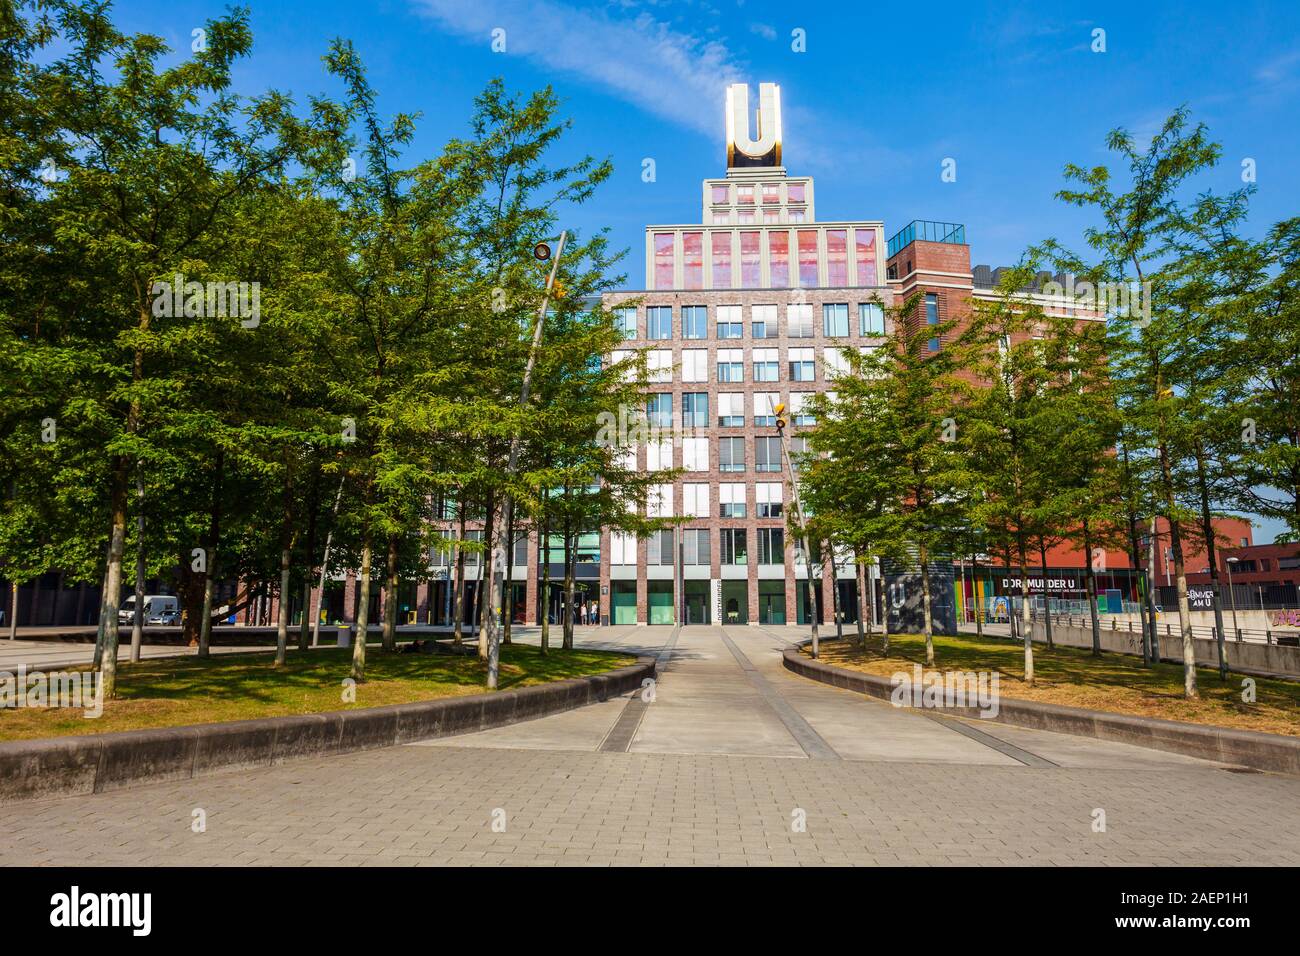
x=1170 y=628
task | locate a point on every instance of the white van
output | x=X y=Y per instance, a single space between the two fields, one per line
x=155 y=606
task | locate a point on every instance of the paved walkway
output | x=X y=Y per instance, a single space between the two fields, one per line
x=734 y=761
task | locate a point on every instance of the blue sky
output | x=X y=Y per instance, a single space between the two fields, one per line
x=882 y=95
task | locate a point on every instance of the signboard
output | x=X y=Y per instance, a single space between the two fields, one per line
x=715 y=598
x=1036 y=584
x=1200 y=599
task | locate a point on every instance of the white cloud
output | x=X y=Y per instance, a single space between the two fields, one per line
x=665 y=71
x=763 y=30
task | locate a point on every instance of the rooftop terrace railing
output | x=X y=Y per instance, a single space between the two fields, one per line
x=927 y=231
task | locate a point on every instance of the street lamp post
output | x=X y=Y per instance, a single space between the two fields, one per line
x=779 y=409
x=1232 y=597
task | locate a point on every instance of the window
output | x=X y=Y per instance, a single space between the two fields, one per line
x=692 y=260
x=731 y=324
x=797 y=214
x=865 y=241
x=720 y=193
x=720 y=250
x=933 y=345
x=663 y=250
x=745 y=216
x=750 y=273
x=794 y=192
x=745 y=195
x=720 y=218
x=931 y=309
x=659 y=410
x=767 y=365
x=659 y=455
x=731 y=365
x=731 y=410
x=622 y=548
x=659 y=365
x=837 y=257
x=625 y=321
x=731 y=500
x=619 y=355
x=695 y=409
x=764 y=324
x=801 y=366
x=834 y=362
x=798 y=320
x=768 y=499
x=695 y=365
x=771 y=545
x=659 y=322
x=871 y=319
x=695 y=547
x=731 y=454
x=695 y=454
x=659 y=501
x=520 y=556
x=695 y=499
x=767 y=454
x=695 y=322
x=778 y=259
x=735 y=550
x=835 y=321
x=771 y=193
x=659 y=548
x=798 y=402
x=807 y=258
x=764 y=403
x=772 y=214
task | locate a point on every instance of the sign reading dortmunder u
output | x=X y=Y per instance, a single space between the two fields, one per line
x=762 y=146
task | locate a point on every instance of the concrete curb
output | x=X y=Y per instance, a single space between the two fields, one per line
x=1246 y=748
x=96 y=763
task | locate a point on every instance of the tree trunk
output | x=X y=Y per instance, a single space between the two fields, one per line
x=286 y=566
x=137 y=626
x=1025 y=621
x=13 y=611
x=1207 y=528
x=1047 y=596
x=458 y=603
x=486 y=578
x=884 y=616
x=570 y=562
x=1091 y=578
x=925 y=605
x=309 y=561
x=1184 y=609
x=113 y=584
x=859 y=578
x=508 y=598
x=544 y=558
x=363 y=612
x=390 y=602
x=975 y=597
x=835 y=595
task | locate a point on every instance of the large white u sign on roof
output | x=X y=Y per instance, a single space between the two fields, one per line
x=763 y=146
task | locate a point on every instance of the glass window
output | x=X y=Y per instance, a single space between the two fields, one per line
x=659 y=455
x=735 y=550
x=731 y=365
x=778 y=259
x=731 y=324
x=695 y=365
x=731 y=454
x=745 y=194
x=771 y=193
x=750 y=273
x=931 y=309
x=720 y=193
x=767 y=365
x=745 y=217
x=659 y=365
x=794 y=192
x=767 y=453
x=768 y=499
x=865 y=241
x=837 y=257
x=871 y=319
x=933 y=345
x=695 y=322
x=659 y=322
x=659 y=548
x=764 y=408
x=692 y=260
x=731 y=410
x=720 y=251
x=659 y=501
x=835 y=320
x=731 y=500
x=659 y=410
x=801 y=366
x=807 y=258
x=797 y=215
x=695 y=454
x=695 y=409
x=772 y=214
x=625 y=321
x=721 y=218
x=798 y=320
x=664 y=247
x=835 y=363
x=771 y=545
x=622 y=548
x=695 y=499
x=695 y=547
x=764 y=324
x=798 y=402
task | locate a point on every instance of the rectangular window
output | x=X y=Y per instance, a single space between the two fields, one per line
x=772 y=215
x=745 y=217
x=520 y=551
x=695 y=499
x=720 y=250
x=731 y=365
x=807 y=258
x=659 y=322
x=659 y=548
x=801 y=366
x=695 y=547
x=731 y=500
x=695 y=322
x=735 y=549
x=731 y=323
x=871 y=319
x=835 y=320
x=931 y=309
x=625 y=321
x=767 y=365
x=764 y=323
x=778 y=258
x=731 y=454
x=731 y=410
x=659 y=410
x=659 y=365
x=768 y=499
x=692 y=260
x=798 y=402
x=720 y=193
x=865 y=241
x=695 y=365
x=659 y=455
x=750 y=271
x=837 y=258
x=659 y=501
x=798 y=320
x=695 y=454
x=745 y=195
x=797 y=214
x=794 y=192
x=767 y=454
x=622 y=548
x=664 y=247
x=771 y=546
x=771 y=193
x=695 y=409
x=764 y=408
x=834 y=362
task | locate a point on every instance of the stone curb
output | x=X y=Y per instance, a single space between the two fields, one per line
x=1276 y=753
x=96 y=763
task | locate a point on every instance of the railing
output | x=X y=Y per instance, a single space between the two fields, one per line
x=1167 y=628
x=927 y=231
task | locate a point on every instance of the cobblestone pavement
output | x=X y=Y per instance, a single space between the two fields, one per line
x=736 y=761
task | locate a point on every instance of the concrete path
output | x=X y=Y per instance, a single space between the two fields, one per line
x=735 y=760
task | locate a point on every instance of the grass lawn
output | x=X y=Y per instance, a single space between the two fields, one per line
x=1072 y=677
x=168 y=692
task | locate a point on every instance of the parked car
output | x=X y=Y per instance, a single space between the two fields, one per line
x=154 y=606
x=167 y=618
